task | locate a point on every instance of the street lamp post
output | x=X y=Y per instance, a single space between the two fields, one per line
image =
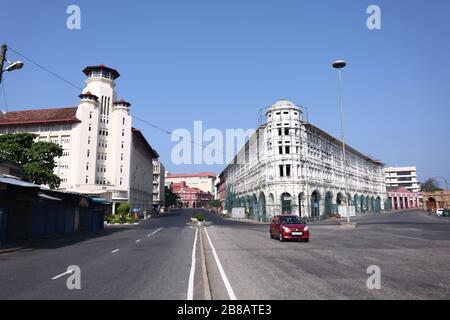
x=11 y=65
x=340 y=64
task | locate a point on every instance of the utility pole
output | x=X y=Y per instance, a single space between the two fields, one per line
x=2 y=59
x=11 y=65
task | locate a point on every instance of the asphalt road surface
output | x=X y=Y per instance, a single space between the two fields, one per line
x=238 y=260
x=411 y=249
x=151 y=261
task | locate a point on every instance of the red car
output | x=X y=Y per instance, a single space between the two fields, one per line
x=289 y=227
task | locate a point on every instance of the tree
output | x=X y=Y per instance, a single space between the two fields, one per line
x=171 y=198
x=216 y=204
x=36 y=158
x=124 y=208
x=430 y=185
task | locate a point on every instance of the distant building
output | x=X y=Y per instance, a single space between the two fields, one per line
x=436 y=200
x=159 y=173
x=204 y=181
x=402 y=198
x=397 y=177
x=102 y=153
x=191 y=197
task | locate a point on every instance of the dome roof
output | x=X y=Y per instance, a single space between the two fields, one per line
x=282 y=104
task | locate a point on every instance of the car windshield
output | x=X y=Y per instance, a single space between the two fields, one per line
x=290 y=220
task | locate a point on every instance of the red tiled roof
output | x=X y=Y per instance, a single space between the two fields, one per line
x=203 y=174
x=57 y=115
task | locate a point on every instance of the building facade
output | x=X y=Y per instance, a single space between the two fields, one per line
x=191 y=197
x=102 y=154
x=436 y=200
x=402 y=198
x=204 y=181
x=397 y=177
x=159 y=173
x=289 y=166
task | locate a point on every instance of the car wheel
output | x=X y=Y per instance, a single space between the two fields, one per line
x=280 y=237
x=306 y=240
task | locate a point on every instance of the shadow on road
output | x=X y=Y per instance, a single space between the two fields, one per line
x=59 y=241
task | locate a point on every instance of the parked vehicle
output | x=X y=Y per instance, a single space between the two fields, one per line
x=440 y=211
x=446 y=213
x=289 y=228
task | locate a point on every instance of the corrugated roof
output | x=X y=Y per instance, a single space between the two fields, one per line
x=20 y=183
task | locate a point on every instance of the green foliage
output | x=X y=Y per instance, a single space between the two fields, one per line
x=430 y=185
x=110 y=219
x=200 y=217
x=171 y=198
x=215 y=203
x=124 y=209
x=36 y=158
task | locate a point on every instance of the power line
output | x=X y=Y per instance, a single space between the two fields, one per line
x=45 y=69
x=137 y=118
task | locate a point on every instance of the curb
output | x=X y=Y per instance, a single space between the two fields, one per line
x=204 y=269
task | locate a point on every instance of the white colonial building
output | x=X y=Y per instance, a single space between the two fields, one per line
x=103 y=155
x=159 y=173
x=290 y=166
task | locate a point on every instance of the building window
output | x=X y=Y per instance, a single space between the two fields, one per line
x=121 y=181
x=288 y=170
x=123 y=121
x=122 y=144
x=288 y=150
x=90 y=115
x=286 y=131
x=121 y=169
x=88 y=153
x=90 y=127
x=87 y=166
x=281 y=171
x=279 y=132
x=89 y=140
x=123 y=132
x=87 y=179
x=280 y=150
x=121 y=157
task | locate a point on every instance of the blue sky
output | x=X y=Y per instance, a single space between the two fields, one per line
x=220 y=61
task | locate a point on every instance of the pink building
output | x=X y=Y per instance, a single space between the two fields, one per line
x=402 y=198
x=191 y=197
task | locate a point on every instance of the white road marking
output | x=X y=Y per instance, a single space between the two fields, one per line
x=114 y=251
x=151 y=234
x=63 y=274
x=222 y=272
x=190 y=293
x=138 y=240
